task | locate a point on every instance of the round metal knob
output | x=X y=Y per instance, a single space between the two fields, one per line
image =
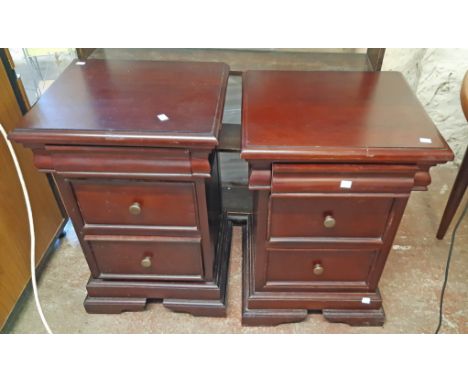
x=146 y=262
x=329 y=221
x=318 y=269
x=135 y=209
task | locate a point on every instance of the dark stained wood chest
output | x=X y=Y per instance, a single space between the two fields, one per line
x=333 y=158
x=131 y=146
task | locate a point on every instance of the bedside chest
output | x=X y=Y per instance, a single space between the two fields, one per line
x=131 y=146
x=333 y=158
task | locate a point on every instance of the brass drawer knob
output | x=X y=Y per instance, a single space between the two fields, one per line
x=329 y=221
x=146 y=262
x=318 y=269
x=135 y=209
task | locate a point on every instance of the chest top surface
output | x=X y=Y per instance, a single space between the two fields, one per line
x=362 y=116
x=130 y=102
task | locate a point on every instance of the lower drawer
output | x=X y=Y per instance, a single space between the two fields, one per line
x=152 y=258
x=324 y=268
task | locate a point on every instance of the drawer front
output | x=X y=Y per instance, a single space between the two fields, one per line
x=90 y=160
x=353 y=216
x=137 y=203
x=319 y=266
x=342 y=178
x=159 y=259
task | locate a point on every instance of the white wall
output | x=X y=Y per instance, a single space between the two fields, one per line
x=435 y=75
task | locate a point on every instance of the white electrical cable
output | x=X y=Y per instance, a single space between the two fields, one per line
x=31 y=230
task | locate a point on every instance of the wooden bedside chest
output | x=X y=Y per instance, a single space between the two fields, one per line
x=333 y=158
x=131 y=146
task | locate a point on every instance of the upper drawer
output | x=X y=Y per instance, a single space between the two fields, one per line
x=342 y=178
x=137 y=203
x=293 y=215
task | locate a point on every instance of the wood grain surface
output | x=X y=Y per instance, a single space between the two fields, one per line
x=14 y=229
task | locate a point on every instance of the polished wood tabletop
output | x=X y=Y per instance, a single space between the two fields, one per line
x=132 y=102
x=356 y=115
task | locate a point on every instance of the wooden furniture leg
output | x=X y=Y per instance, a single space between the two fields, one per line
x=456 y=195
x=461 y=181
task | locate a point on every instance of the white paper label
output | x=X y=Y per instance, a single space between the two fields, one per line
x=365 y=300
x=80 y=63
x=163 y=117
x=346 y=183
x=425 y=140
